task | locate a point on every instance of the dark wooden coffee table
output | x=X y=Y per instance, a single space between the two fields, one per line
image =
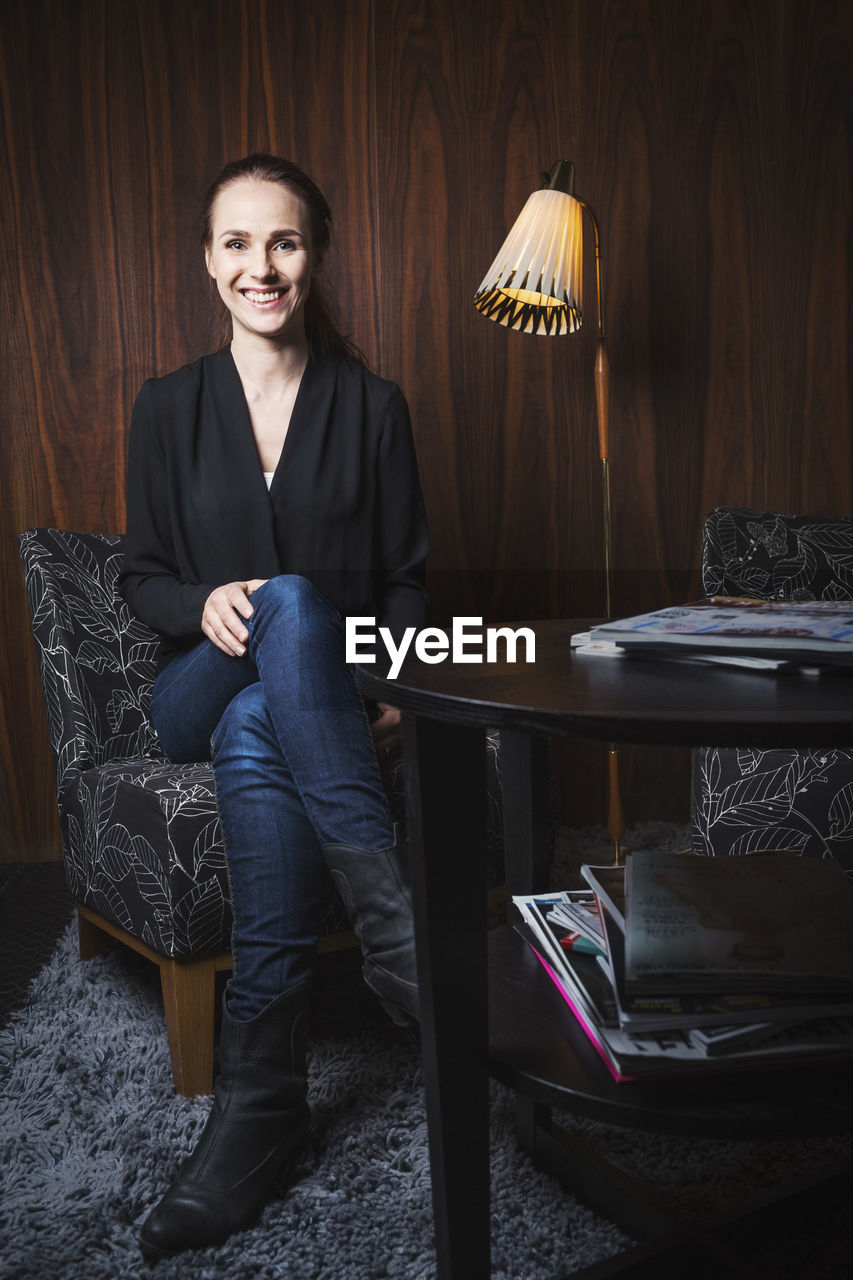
x=543 y=1054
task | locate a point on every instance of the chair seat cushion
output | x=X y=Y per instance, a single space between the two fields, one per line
x=143 y=847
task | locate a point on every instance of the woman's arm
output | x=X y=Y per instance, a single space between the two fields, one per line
x=404 y=543
x=403 y=534
x=151 y=582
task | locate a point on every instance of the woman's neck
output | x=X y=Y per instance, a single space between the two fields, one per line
x=266 y=365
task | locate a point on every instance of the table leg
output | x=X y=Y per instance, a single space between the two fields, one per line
x=446 y=798
x=526 y=789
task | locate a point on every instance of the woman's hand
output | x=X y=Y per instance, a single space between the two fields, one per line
x=386 y=730
x=224 y=612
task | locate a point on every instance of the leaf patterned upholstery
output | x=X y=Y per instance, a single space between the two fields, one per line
x=97 y=662
x=141 y=838
x=747 y=801
x=777 y=557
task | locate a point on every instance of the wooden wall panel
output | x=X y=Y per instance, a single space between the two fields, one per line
x=115 y=119
x=470 y=93
x=714 y=139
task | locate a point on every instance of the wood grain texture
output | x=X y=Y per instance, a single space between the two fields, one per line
x=713 y=139
x=115 y=120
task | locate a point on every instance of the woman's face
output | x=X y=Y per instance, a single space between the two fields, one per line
x=260 y=257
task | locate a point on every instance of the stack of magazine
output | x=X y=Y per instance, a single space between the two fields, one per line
x=678 y=962
x=814 y=634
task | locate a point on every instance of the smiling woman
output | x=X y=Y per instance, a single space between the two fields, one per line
x=248 y=584
x=259 y=253
x=282 y=175
x=260 y=256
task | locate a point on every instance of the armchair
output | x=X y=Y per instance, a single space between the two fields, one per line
x=748 y=801
x=141 y=840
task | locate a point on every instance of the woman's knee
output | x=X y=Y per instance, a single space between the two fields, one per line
x=293 y=605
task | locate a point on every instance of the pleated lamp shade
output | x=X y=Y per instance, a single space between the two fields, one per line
x=534 y=284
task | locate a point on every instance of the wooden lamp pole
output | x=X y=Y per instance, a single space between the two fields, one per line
x=534 y=285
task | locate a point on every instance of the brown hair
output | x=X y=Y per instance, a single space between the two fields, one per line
x=321 y=325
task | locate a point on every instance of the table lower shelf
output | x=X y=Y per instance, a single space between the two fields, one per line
x=538 y=1048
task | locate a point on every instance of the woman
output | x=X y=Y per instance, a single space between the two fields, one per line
x=272 y=491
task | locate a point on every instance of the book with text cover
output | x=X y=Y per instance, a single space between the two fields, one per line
x=668 y=1007
x=775 y=922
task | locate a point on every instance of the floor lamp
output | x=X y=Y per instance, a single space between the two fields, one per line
x=535 y=285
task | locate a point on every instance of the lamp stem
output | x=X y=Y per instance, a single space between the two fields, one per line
x=608 y=552
x=602 y=408
x=615 y=820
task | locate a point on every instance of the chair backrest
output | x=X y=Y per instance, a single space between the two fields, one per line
x=777 y=557
x=97 y=661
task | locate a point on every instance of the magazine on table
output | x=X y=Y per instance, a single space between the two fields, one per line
x=815 y=632
x=666 y=1010
x=584 y=642
x=810 y=1035
x=577 y=910
x=584 y=972
x=771 y=922
x=646 y=1055
x=568 y=920
x=718 y=1040
x=641 y=1035
x=581 y=981
x=608 y=885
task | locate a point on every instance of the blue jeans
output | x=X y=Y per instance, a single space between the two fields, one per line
x=294 y=767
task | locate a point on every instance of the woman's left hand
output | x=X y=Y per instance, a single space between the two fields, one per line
x=386 y=730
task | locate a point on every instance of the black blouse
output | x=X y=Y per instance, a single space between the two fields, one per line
x=344 y=509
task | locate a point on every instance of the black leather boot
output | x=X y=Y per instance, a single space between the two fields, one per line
x=258 y=1122
x=374 y=891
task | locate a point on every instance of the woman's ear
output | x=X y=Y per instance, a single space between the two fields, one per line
x=210 y=270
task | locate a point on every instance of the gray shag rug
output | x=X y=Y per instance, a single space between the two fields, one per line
x=91 y=1133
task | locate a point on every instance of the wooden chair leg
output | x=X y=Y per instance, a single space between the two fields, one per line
x=92 y=941
x=189 y=1000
